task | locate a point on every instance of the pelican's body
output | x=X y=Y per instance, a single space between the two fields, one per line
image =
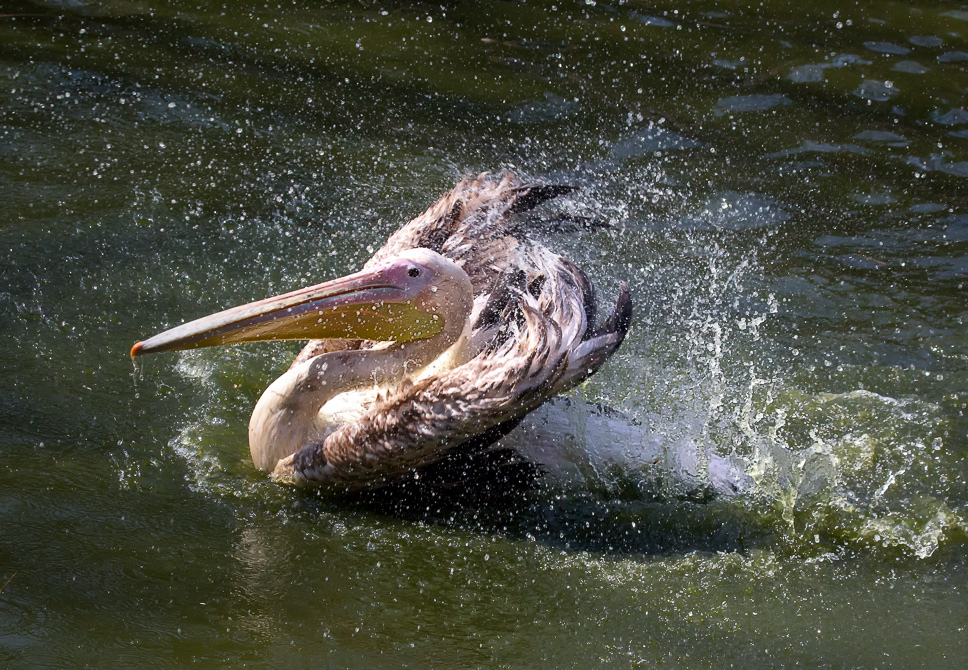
x=452 y=333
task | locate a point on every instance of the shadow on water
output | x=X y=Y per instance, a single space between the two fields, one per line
x=496 y=493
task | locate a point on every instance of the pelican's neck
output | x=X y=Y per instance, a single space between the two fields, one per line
x=286 y=418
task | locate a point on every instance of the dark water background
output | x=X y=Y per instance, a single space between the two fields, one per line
x=787 y=188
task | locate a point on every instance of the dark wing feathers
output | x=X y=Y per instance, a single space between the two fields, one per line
x=531 y=196
x=541 y=308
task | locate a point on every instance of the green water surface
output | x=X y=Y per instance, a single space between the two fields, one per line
x=786 y=191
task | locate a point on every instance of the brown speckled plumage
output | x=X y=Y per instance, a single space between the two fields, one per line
x=537 y=331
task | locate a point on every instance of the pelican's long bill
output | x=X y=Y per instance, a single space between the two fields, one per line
x=381 y=303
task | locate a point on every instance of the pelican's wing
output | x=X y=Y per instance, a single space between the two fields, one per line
x=473 y=225
x=544 y=346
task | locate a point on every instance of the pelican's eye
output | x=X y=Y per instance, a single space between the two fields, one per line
x=413 y=272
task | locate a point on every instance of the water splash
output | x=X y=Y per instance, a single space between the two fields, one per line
x=704 y=379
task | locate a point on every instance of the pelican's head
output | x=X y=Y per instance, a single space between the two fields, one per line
x=404 y=298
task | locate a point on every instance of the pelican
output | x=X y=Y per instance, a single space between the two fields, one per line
x=453 y=332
